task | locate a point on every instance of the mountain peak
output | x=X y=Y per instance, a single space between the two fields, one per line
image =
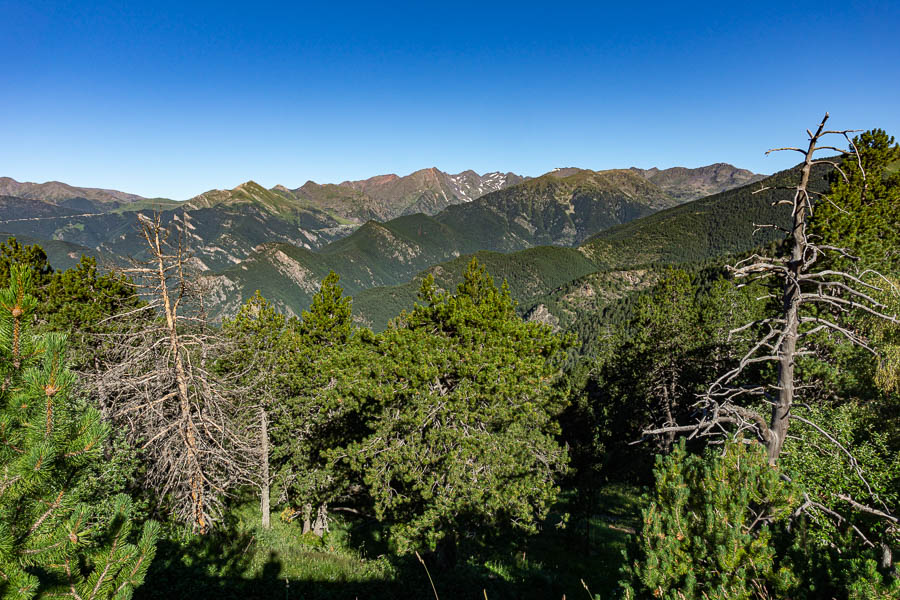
x=376 y=180
x=248 y=186
x=56 y=192
x=691 y=183
x=564 y=171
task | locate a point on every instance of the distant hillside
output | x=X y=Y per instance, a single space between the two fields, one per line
x=690 y=184
x=218 y=236
x=563 y=207
x=16 y=209
x=44 y=220
x=617 y=261
x=285 y=241
x=893 y=167
x=542 y=211
x=345 y=204
x=529 y=274
x=280 y=203
x=64 y=255
x=554 y=209
x=721 y=224
x=381 y=198
x=63 y=194
x=589 y=295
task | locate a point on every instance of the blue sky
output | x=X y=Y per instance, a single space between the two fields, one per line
x=172 y=99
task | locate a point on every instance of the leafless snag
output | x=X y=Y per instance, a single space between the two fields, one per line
x=812 y=302
x=155 y=382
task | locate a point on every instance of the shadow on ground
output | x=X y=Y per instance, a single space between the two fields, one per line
x=243 y=562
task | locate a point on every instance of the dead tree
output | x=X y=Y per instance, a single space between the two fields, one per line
x=812 y=301
x=156 y=384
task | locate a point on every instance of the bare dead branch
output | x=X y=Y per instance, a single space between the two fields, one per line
x=189 y=423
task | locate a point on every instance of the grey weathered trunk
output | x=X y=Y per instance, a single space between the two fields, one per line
x=781 y=409
x=189 y=432
x=668 y=401
x=264 y=467
x=887 y=557
x=320 y=525
x=307 y=518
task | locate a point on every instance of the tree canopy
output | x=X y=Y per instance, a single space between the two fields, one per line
x=49 y=541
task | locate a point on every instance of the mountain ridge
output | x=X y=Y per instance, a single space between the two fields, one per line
x=549 y=210
x=693 y=183
x=294 y=237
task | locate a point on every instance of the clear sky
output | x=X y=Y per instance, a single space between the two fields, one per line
x=172 y=99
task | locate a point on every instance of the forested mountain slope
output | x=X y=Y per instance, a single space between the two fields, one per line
x=281 y=241
x=552 y=209
x=725 y=223
x=620 y=259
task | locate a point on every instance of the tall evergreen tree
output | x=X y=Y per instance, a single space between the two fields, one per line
x=863 y=215
x=328 y=321
x=254 y=358
x=452 y=417
x=303 y=428
x=49 y=543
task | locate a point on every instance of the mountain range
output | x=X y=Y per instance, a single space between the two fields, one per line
x=223 y=227
x=381 y=234
x=691 y=184
x=562 y=285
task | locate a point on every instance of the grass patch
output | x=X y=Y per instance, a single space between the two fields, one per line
x=351 y=561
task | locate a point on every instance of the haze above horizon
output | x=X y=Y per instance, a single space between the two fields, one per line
x=171 y=100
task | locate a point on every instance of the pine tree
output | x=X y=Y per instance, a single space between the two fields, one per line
x=707 y=531
x=12 y=253
x=303 y=429
x=863 y=215
x=449 y=418
x=257 y=335
x=49 y=543
x=328 y=321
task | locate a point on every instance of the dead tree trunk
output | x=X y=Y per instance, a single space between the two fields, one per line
x=814 y=300
x=307 y=518
x=320 y=525
x=791 y=300
x=802 y=286
x=264 y=467
x=154 y=384
x=195 y=472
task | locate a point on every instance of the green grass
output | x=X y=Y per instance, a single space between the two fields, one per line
x=306 y=557
x=246 y=561
x=341 y=220
x=352 y=561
